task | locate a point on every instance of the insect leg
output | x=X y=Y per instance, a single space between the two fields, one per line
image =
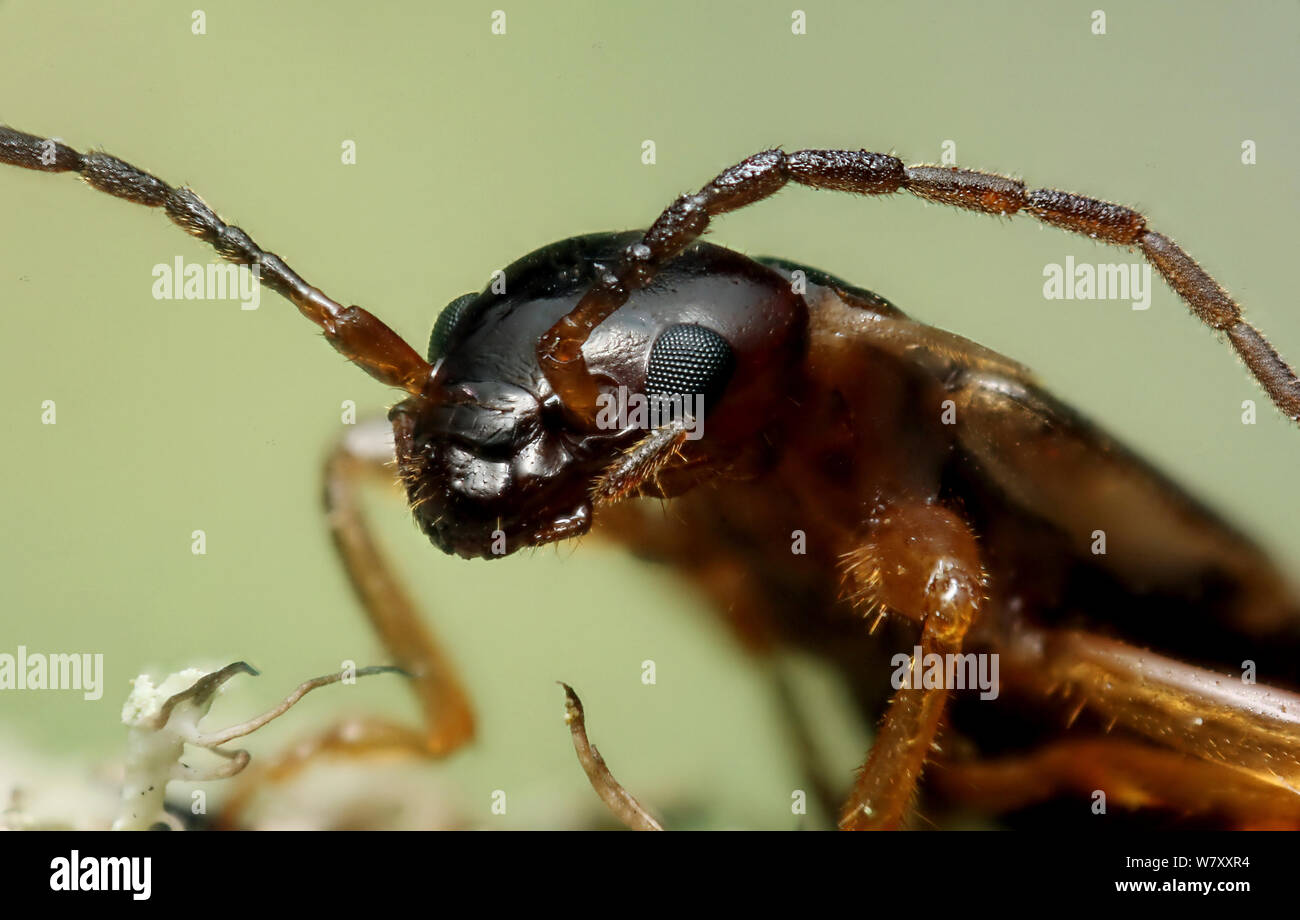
x=365 y=453
x=1132 y=774
x=355 y=333
x=920 y=560
x=1213 y=716
x=864 y=173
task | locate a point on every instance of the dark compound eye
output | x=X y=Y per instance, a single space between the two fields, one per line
x=447 y=320
x=688 y=360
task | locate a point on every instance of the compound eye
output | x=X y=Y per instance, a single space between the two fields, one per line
x=688 y=360
x=446 y=324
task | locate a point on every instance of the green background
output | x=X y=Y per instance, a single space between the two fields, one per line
x=473 y=149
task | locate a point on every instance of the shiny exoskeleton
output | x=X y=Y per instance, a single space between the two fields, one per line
x=491 y=453
x=830 y=461
x=873 y=441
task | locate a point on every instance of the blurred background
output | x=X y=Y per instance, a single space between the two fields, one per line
x=473 y=148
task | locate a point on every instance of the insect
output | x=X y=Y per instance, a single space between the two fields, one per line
x=834 y=467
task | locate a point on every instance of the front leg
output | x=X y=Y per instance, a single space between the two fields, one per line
x=448 y=717
x=920 y=560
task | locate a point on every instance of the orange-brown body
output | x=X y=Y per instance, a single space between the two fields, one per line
x=905 y=452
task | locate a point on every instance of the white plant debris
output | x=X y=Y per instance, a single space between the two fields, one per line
x=163 y=719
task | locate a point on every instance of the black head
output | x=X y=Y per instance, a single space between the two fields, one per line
x=490 y=459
